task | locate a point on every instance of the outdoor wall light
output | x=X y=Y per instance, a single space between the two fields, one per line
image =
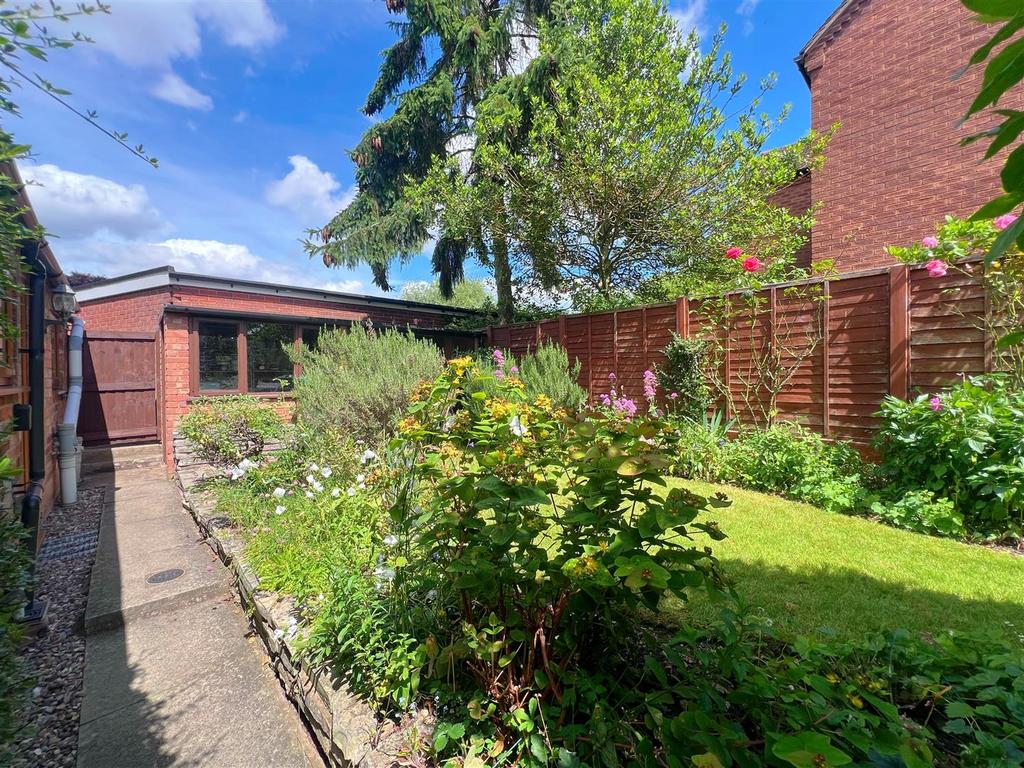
x=64 y=301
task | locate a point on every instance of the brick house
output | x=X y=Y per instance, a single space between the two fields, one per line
x=883 y=69
x=158 y=339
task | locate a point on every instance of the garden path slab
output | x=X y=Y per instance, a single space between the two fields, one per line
x=172 y=676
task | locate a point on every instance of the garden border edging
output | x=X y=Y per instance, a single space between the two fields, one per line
x=344 y=725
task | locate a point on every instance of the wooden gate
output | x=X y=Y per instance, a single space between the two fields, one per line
x=119 y=396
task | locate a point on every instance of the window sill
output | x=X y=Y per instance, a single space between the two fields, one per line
x=259 y=395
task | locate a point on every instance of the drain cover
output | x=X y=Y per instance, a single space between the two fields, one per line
x=161 y=576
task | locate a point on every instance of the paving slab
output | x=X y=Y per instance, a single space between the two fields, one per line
x=172 y=674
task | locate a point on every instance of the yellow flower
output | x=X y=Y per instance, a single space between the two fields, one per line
x=832 y=678
x=855 y=700
x=515 y=383
x=460 y=364
x=543 y=402
x=407 y=425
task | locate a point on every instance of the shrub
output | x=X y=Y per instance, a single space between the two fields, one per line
x=683 y=373
x=701 y=448
x=921 y=511
x=797 y=463
x=356 y=382
x=540 y=534
x=967 y=446
x=227 y=430
x=547 y=371
x=14 y=563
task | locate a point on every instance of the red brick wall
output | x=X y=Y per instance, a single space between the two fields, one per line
x=796 y=198
x=895 y=168
x=139 y=311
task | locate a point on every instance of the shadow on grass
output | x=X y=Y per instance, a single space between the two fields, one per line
x=851 y=604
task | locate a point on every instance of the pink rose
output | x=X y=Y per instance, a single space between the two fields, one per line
x=734 y=253
x=1002 y=222
x=936 y=268
x=930 y=242
x=935 y=403
x=751 y=264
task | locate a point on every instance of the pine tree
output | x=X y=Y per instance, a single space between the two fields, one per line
x=448 y=54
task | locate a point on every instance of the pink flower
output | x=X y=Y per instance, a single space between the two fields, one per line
x=930 y=242
x=936 y=268
x=612 y=376
x=514 y=370
x=1002 y=222
x=650 y=385
x=751 y=264
x=734 y=253
x=499 y=374
x=499 y=358
x=674 y=395
x=935 y=403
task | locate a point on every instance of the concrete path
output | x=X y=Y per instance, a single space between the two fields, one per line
x=172 y=677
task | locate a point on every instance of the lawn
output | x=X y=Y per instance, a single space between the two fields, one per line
x=809 y=569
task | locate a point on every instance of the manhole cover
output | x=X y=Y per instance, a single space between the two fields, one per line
x=161 y=576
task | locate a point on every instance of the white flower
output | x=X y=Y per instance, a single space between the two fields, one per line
x=336 y=492
x=326 y=472
x=247 y=464
x=310 y=479
x=390 y=541
x=318 y=486
x=431 y=595
x=237 y=473
x=278 y=633
x=367 y=456
x=517 y=426
x=279 y=510
x=360 y=479
x=279 y=493
x=309 y=494
x=384 y=574
x=351 y=491
x=314 y=468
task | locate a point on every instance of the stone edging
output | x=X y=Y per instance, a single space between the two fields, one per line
x=345 y=726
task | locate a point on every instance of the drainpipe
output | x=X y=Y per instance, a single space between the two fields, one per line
x=36 y=436
x=67 y=431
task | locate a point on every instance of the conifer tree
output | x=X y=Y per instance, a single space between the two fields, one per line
x=448 y=54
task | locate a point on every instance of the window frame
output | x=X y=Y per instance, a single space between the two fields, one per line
x=242 y=355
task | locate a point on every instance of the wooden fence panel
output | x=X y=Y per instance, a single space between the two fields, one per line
x=847 y=342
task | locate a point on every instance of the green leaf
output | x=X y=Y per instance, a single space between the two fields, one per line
x=1003 y=71
x=995 y=9
x=807 y=750
x=707 y=760
x=1006 y=238
x=1010 y=339
x=998 y=206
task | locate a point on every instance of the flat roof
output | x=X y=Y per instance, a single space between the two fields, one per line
x=167 y=276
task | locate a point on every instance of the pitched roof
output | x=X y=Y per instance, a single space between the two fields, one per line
x=827 y=27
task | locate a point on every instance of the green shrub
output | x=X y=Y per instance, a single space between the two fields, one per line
x=356 y=382
x=683 y=374
x=547 y=371
x=966 y=445
x=920 y=511
x=227 y=430
x=14 y=563
x=797 y=463
x=700 y=451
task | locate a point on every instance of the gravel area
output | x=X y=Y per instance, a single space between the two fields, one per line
x=54 y=660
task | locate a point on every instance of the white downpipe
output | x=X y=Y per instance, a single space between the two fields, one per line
x=67 y=431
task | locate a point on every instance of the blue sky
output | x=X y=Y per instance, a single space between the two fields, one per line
x=250 y=106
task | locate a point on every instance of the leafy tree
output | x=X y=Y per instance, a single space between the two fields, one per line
x=468 y=294
x=448 y=53
x=1004 y=71
x=638 y=162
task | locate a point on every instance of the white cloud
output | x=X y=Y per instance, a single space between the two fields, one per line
x=111 y=258
x=241 y=116
x=746 y=9
x=307 y=189
x=153 y=34
x=73 y=204
x=173 y=89
x=690 y=16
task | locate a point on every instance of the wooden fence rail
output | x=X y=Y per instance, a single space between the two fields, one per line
x=894 y=330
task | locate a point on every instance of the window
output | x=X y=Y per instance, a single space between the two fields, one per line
x=218 y=356
x=270 y=368
x=310 y=336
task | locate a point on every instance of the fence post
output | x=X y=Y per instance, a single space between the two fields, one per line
x=590 y=358
x=643 y=333
x=490 y=335
x=826 y=404
x=562 y=332
x=615 y=341
x=683 y=317
x=899 y=331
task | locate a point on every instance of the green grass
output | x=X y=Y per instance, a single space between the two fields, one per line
x=809 y=569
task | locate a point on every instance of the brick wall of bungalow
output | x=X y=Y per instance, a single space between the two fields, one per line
x=884 y=71
x=143 y=311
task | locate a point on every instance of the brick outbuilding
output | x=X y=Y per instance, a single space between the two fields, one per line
x=158 y=339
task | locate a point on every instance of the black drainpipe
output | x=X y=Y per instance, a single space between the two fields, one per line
x=36 y=437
